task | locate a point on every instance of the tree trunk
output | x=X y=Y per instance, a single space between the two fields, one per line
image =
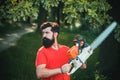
x=42 y=17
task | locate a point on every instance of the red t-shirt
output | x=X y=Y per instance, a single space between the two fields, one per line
x=53 y=59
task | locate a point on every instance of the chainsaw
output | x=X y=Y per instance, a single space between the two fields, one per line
x=81 y=58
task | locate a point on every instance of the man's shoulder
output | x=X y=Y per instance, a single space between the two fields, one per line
x=41 y=48
x=63 y=46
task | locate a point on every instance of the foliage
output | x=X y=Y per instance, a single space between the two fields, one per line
x=91 y=14
x=19 y=10
x=99 y=76
x=48 y=4
x=94 y=12
x=117 y=33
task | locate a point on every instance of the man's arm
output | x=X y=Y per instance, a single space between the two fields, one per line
x=43 y=72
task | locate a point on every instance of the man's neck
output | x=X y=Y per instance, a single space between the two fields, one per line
x=55 y=46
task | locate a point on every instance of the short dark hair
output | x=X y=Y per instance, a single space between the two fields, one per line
x=53 y=25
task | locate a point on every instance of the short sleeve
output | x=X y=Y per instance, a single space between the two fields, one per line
x=40 y=58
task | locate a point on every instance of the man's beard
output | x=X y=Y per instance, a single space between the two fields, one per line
x=47 y=42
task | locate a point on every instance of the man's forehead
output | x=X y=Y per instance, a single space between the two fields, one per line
x=47 y=29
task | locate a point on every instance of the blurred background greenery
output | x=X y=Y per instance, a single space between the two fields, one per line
x=85 y=17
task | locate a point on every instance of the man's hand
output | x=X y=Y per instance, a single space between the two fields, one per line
x=65 y=68
x=84 y=66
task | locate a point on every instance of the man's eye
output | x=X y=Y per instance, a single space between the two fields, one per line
x=46 y=32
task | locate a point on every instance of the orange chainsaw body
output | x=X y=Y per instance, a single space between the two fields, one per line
x=73 y=52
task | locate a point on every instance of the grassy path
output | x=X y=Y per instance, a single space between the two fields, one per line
x=10 y=39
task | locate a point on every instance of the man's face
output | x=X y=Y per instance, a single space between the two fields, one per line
x=48 y=38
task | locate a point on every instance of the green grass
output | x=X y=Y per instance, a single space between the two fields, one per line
x=9 y=28
x=18 y=62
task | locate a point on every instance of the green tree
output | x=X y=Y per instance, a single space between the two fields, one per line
x=91 y=14
x=19 y=10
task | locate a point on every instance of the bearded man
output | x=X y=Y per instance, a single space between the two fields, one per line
x=52 y=58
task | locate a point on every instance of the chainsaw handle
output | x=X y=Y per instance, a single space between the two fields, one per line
x=80 y=59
